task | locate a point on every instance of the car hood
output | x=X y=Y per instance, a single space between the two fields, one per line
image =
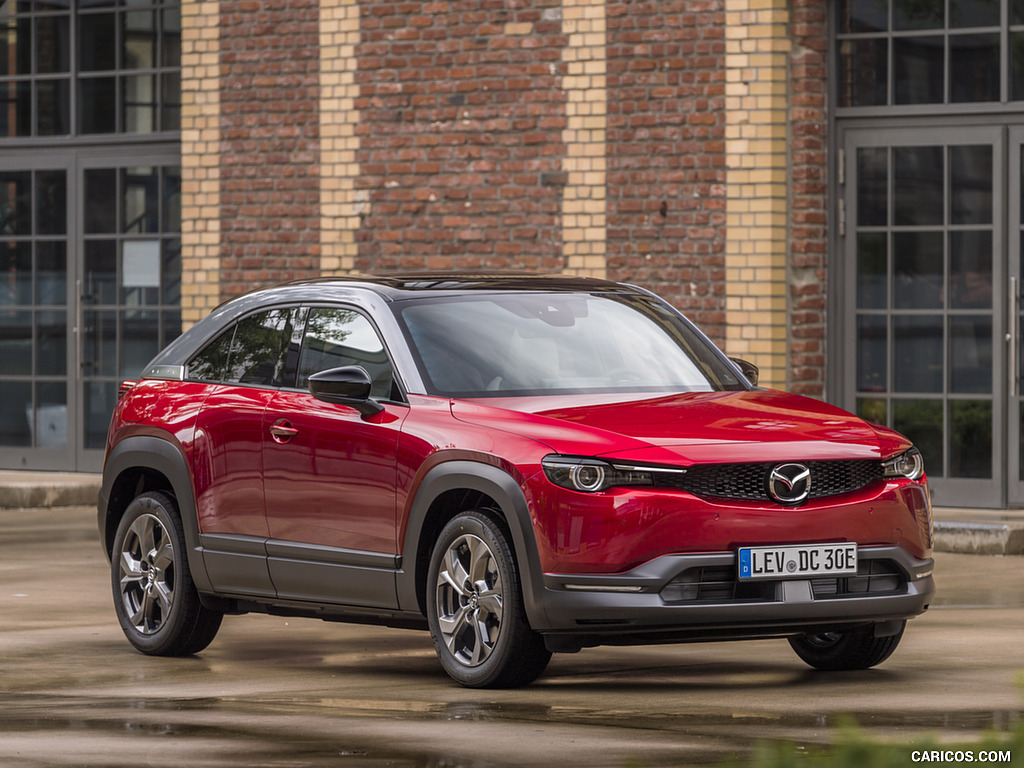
x=758 y=425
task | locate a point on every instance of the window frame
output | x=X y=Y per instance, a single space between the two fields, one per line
x=166 y=68
x=1005 y=30
x=399 y=391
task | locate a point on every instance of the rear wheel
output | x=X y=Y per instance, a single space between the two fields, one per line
x=154 y=597
x=837 y=651
x=475 y=607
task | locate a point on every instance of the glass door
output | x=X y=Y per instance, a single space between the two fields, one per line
x=925 y=322
x=90 y=291
x=37 y=405
x=1014 y=336
x=128 y=282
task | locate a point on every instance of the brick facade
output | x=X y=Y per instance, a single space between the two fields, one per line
x=666 y=153
x=582 y=136
x=270 y=147
x=461 y=113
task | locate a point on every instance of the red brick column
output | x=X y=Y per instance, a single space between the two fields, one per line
x=461 y=113
x=666 y=147
x=270 y=220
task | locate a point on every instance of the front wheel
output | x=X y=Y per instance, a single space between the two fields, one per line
x=154 y=597
x=838 y=651
x=475 y=607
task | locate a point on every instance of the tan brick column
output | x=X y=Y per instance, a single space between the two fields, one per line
x=200 y=159
x=757 y=48
x=584 y=199
x=339 y=214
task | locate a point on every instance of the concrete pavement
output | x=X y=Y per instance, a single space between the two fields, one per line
x=968 y=531
x=275 y=691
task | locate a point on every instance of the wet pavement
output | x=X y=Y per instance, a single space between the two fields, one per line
x=291 y=692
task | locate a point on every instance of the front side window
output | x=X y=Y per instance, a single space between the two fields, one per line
x=338 y=337
x=532 y=344
x=260 y=350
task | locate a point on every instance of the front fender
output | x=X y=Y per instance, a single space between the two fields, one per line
x=500 y=486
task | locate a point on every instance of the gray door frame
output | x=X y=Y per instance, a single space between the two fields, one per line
x=1014 y=334
x=990 y=492
x=91 y=459
x=75 y=161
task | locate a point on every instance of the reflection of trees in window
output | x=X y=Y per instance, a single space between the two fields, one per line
x=212 y=362
x=919 y=14
x=341 y=337
x=329 y=325
x=16 y=203
x=260 y=349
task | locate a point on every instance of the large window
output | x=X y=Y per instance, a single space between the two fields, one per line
x=33 y=309
x=923 y=236
x=131 y=281
x=912 y=52
x=89 y=67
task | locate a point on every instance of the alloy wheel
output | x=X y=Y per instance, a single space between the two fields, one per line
x=147 y=574
x=470 y=602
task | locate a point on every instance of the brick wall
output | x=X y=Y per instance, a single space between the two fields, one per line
x=808 y=218
x=666 y=153
x=461 y=114
x=270 y=220
x=587 y=136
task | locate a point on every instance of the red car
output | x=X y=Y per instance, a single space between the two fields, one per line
x=523 y=465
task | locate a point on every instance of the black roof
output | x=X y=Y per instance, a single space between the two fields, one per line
x=395 y=286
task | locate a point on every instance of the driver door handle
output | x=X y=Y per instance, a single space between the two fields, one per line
x=282 y=431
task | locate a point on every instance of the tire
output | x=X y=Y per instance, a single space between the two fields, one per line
x=154 y=597
x=839 y=651
x=475 y=606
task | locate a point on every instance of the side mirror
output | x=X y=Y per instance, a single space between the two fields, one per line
x=748 y=369
x=349 y=385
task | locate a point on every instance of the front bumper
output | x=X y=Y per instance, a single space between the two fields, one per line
x=681 y=598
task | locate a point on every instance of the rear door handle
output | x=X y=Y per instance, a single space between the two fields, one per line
x=282 y=431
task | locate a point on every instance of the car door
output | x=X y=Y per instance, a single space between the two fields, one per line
x=329 y=473
x=244 y=366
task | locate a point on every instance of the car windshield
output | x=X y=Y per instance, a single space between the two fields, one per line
x=558 y=343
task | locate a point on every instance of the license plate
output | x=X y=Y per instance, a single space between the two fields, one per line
x=805 y=560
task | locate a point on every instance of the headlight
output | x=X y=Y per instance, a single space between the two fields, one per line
x=909 y=464
x=593 y=475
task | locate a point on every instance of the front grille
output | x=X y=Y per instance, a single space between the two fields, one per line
x=873 y=577
x=718 y=584
x=715 y=584
x=749 y=481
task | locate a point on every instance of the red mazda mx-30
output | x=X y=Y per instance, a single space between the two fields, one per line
x=521 y=465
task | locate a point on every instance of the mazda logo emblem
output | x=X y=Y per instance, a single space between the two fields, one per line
x=789 y=484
